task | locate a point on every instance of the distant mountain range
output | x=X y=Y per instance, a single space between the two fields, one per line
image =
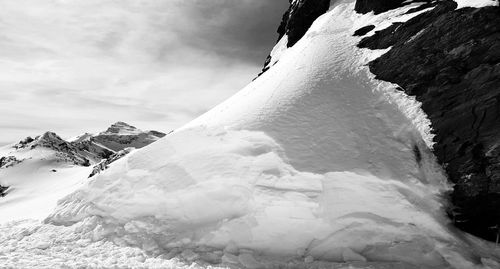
x=49 y=152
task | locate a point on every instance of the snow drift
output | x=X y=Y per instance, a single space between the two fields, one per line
x=314 y=160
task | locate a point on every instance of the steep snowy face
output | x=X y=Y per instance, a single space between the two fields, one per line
x=314 y=160
x=321 y=104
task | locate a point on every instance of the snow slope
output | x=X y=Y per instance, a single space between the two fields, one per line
x=37 y=183
x=314 y=164
x=314 y=160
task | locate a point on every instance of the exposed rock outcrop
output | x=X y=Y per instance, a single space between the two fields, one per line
x=8 y=161
x=450 y=60
x=23 y=143
x=299 y=17
x=296 y=21
x=64 y=150
x=364 y=30
x=121 y=135
x=104 y=164
x=380 y=6
x=365 y=6
x=3 y=190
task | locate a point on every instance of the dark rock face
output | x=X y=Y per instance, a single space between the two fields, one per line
x=364 y=30
x=399 y=33
x=64 y=150
x=299 y=17
x=380 y=6
x=450 y=60
x=8 y=161
x=296 y=21
x=104 y=164
x=23 y=143
x=377 y=6
x=3 y=190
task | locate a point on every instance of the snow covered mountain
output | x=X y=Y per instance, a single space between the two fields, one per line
x=332 y=158
x=36 y=172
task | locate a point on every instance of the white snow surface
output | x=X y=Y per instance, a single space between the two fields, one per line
x=30 y=244
x=312 y=165
x=37 y=183
x=278 y=50
x=476 y=3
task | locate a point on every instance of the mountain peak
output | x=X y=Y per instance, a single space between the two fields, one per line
x=50 y=136
x=121 y=123
x=121 y=128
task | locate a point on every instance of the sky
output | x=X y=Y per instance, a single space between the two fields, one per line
x=74 y=66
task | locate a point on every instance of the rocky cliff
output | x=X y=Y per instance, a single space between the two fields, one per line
x=449 y=59
x=296 y=21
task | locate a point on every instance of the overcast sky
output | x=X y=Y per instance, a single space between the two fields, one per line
x=72 y=66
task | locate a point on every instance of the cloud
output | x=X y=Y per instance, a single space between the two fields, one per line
x=78 y=65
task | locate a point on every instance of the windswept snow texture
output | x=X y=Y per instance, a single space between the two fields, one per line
x=313 y=160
